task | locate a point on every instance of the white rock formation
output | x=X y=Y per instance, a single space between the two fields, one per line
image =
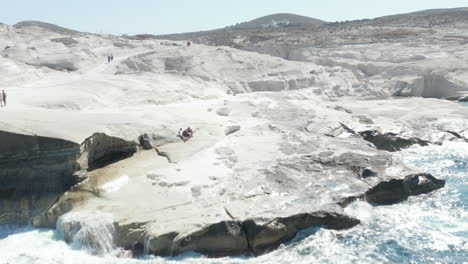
x=417 y=54
x=299 y=156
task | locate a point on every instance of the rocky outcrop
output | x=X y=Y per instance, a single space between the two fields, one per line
x=67 y=41
x=61 y=65
x=253 y=236
x=231 y=129
x=96 y=151
x=398 y=190
x=267 y=86
x=263 y=237
x=34 y=172
x=431 y=86
x=226 y=238
x=223 y=111
x=390 y=141
x=178 y=64
x=151 y=141
x=101 y=149
x=394 y=191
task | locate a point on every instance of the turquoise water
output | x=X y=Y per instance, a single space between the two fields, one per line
x=431 y=228
x=464 y=103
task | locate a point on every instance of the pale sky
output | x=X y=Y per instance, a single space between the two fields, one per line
x=173 y=16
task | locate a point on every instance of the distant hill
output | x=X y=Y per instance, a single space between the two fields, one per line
x=279 y=20
x=45 y=25
x=275 y=22
x=425 y=18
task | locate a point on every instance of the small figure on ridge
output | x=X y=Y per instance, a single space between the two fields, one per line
x=4 y=96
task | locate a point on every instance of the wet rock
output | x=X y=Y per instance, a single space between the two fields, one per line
x=266 y=236
x=390 y=141
x=91 y=231
x=222 y=239
x=233 y=238
x=396 y=190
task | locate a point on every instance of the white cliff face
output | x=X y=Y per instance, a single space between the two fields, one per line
x=279 y=146
x=418 y=54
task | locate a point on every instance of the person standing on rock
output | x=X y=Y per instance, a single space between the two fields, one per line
x=112 y=58
x=1 y=99
x=108 y=58
x=4 y=98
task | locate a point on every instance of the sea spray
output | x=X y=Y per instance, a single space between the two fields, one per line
x=90 y=231
x=146 y=245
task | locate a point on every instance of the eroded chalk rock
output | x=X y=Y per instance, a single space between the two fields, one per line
x=231 y=129
x=153 y=140
x=267 y=85
x=223 y=111
x=101 y=149
x=34 y=172
x=67 y=41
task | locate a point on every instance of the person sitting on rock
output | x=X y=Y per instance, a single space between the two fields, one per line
x=190 y=131
x=187 y=134
x=179 y=134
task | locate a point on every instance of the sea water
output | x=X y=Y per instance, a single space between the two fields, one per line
x=431 y=228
